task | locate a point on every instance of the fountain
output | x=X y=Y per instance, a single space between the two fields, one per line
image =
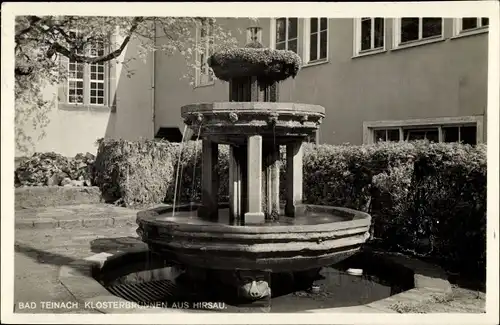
x=242 y=244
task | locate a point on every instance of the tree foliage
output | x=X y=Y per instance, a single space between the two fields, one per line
x=41 y=41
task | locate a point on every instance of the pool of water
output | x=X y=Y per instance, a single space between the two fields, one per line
x=148 y=281
x=308 y=218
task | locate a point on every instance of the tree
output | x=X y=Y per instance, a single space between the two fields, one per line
x=40 y=41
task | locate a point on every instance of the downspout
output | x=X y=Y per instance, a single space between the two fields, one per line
x=153 y=77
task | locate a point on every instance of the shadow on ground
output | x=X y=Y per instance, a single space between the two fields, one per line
x=116 y=244
x=42 y=256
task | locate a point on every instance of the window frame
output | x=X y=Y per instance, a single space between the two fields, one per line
x=86 y=79
x=357 y=51
x=369 y=127
x=208 y=48
x=459 y=32
x=396 y=27
x=307 y=41
x=303 y=39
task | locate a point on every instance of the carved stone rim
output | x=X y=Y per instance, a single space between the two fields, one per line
x=253 y=108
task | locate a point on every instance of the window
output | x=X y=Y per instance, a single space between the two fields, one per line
x=466 y=129
x=409 y=30
x=205 y=41
x=467 y=25
x=286 y=37
x=317 y=39
x=86 y=83
x=369 y=34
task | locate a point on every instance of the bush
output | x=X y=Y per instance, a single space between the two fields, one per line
x=51 y=169
x=133 y=173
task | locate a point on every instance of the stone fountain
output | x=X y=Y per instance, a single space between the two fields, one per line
x=241 y=244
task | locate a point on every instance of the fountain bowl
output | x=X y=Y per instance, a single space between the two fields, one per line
x=230 y=122
x=318 y=236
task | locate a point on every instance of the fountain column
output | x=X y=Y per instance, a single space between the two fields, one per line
x=294 y=167
x=235 y=180
x=254 y=212
x=209 y=180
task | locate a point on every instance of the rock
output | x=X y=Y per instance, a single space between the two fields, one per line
x=87 y=182
x=80 y=178
x=76 y=183
x=66 y=181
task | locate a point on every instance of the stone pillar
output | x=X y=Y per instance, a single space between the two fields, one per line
x=209 y=186
x=273 y=182
x=235 y=195
x=254 y=212
x=294 y=176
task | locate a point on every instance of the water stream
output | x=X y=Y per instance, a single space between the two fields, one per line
x=194 y=166
x=178 y=175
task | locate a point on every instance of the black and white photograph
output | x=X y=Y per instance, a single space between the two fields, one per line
x=321 y=162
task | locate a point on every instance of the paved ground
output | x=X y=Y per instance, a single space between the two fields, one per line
x=40 y=252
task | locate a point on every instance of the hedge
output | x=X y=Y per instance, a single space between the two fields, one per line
x=133 y=173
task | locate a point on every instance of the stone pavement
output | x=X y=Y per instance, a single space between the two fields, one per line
x=39 y=252
x=74 y=216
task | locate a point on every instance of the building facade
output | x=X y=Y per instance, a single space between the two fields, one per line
x=378 y=78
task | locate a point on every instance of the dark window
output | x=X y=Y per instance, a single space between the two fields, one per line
x=409 y=29
x=421 y=134
x=431 y=27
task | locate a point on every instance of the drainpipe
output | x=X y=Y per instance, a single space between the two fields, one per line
x=153 y=89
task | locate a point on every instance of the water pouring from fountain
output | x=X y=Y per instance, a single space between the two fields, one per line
x=243 y=244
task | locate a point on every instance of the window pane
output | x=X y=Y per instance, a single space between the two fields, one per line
x=485 y=21
x=292 y=28
x=292 y=45
x=380 y=135
x=323 y=44
x=469 y=23
x=93 y=76
x=366 y=27
x=468 y=134
x=314 y=25
x=100 y=85
x=72 y=91
x=379 y=32
x=324 y=23
x=450 y=134
x=92 y=100
x=79 y=92
x=313 y=48
x=100 y=100
x=93 y=93
x=72 y=84
x=421 y=134
x=280 y=46
x=431 y=27
x=100 y=76
x=409 y=29
x=100 y=93
x=79 y=74
x=100 y=68
x=280 y=30
x=393 y=135
x=79 y=84
x=93 y=68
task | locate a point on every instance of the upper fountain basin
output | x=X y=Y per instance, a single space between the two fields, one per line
x=229 y=121
x=263 y=63
x=318 y=236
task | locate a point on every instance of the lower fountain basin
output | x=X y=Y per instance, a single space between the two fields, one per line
x=318 y=236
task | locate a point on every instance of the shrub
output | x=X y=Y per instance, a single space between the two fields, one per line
x=133 y=173
x=51 y=169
